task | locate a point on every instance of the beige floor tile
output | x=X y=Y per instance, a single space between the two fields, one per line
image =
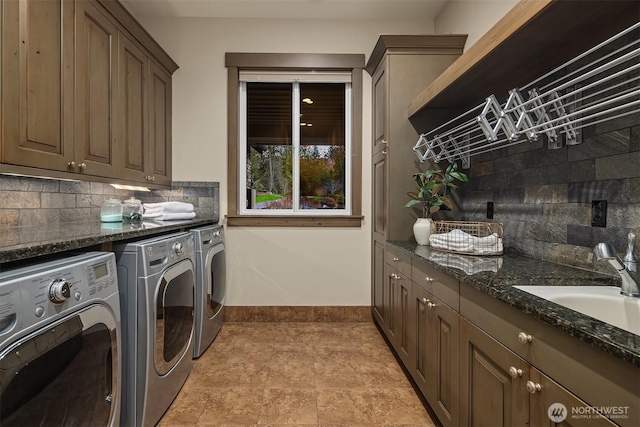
x=289 y=406
x=399 y=406
x=186 y=408
x=297 y=374
x=345 y=406
x=232 y=406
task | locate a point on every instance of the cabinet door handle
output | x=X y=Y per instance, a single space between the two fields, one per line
x=396 y=259
x=424 y=300
x=524 y=338
x=515 y=372
x=71 y=165
x=385 y=142
x=384 y=152
x=431 y=305
x=533 y=388
x=82 y=166
x=428 y=279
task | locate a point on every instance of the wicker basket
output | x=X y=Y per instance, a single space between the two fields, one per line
x=467 y=237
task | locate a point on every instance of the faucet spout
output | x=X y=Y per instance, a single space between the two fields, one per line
x=630 y=279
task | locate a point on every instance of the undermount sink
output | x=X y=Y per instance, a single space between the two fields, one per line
x=600 y=302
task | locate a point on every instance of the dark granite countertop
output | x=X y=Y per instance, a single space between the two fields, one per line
x=497 y=276
x=19 y=243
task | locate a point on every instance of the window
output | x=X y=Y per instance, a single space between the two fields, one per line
x=295 y=139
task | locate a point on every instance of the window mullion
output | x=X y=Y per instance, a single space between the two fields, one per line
x=295 y=134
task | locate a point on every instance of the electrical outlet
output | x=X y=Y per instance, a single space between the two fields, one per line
x=598 y=213
x=490 y=210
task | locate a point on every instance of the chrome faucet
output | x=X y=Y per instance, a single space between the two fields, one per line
x=630 y=279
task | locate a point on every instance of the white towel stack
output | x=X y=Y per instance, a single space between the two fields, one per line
x=168 y=211
x=459 y=241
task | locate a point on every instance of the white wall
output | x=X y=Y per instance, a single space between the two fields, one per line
x=269 y=266
x=472 y=17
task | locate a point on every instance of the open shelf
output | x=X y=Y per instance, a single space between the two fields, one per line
x=531 y=39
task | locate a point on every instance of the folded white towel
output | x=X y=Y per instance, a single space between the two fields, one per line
x=168 y=216
x=459 y=241
x=469 y=265
x=168 y=207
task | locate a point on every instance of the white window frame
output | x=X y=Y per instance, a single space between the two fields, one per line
x=295 y=80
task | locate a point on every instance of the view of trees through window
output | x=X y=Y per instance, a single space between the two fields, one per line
x=272 y=146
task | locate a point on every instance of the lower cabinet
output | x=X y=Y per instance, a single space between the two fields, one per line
x=434 y=367
x=468 y=377
x=494 y=380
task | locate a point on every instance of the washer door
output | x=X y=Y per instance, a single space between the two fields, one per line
x=64 y=374
x=174 y=315
x=216 y=280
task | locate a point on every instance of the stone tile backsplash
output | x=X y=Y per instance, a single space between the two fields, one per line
x=543 y=197
x=26 y=201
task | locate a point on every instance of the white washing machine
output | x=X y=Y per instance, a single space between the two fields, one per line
x=210 y=285
x=157 y=281
x=60 y=352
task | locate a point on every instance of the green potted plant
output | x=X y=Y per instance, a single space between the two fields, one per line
x=434 y=187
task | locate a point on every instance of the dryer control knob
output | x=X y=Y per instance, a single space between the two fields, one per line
x=59 y=291
x=177 y=247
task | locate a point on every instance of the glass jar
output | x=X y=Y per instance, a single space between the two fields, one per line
x=111 y=211
x=132 y=211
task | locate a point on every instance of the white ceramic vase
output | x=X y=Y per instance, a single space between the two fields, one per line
x=422 y=231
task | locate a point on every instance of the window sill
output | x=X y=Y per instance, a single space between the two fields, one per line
x=293 y=221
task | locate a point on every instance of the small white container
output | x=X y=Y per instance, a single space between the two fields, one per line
x=111 y=211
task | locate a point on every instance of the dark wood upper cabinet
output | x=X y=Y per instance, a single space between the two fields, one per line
x=86 y=94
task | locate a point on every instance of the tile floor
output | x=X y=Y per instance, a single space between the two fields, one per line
x=302 y=374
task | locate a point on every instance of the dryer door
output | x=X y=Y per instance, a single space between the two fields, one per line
x=216 y=280
x=63 y=374
x=174 y=315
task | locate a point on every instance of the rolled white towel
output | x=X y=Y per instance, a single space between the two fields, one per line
x=169 y=216
x=168 y=207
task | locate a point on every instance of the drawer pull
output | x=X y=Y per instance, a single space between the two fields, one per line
x=428 y=279
x=424 y=300
x=395 y=276
x=515 y=372
x=431 y=304
x=396 y=259
x=524 y=338
x=533 y=388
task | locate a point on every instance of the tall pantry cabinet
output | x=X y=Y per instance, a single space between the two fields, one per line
x=401 y=66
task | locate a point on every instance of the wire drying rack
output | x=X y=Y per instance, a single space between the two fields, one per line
x=467 y=237
x=599 y=85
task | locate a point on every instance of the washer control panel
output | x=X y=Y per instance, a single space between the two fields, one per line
x=31 y=294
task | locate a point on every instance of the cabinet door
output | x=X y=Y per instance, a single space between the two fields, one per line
x=402 y=309
x=133 y=106
x=96 y=83
x=37 y=97
x=160 y=126
x=380 y=113
x=553 y=405
x=445 y=356
x=490 y=396
x=379 y=282
x=422 y=331
x=390 y=290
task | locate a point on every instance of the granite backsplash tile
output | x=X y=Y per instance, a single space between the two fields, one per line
x=26 y=201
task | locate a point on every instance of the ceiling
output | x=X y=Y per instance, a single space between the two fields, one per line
x=289 y=9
